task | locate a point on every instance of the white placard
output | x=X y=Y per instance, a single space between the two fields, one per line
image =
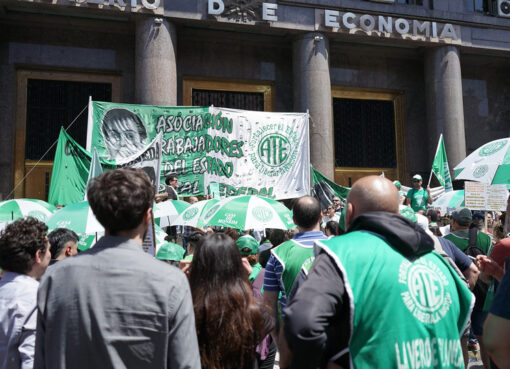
x=482 y=196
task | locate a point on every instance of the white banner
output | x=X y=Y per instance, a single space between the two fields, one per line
x=275 y=154
x=481 y=196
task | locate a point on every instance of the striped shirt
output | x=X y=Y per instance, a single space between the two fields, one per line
x=274 y=269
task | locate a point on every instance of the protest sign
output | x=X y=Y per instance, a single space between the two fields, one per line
x=482 y=196
x=243 y=152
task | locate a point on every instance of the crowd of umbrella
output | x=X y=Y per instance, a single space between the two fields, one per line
x=239 y=212
x=488 y=164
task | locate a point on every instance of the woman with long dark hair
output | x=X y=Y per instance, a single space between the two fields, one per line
x=230 y=322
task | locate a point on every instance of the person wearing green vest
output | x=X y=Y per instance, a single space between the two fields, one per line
x=287 y=259
x=459 y=235
x=418 y=197
x=378 y=296
x=249 y=247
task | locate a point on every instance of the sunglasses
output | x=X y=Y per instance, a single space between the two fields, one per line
x=336 y=200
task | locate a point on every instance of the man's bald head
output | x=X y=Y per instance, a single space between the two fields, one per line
x=372 y=193
x=307 y=213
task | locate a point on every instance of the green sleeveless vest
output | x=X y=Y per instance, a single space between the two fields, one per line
x=405 y=313
x=292 y=255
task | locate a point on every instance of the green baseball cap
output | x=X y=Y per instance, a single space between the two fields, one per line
x=170 y=251
x=247 y=242
x=397 y=184
x=409 y=214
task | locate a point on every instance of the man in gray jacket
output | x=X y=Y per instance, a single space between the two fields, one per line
x=114 y=306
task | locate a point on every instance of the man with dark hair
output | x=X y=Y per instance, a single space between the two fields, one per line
x=287 y=260
x=24 y=257
x=123 y=308
x=378 y=295
x=63 y=244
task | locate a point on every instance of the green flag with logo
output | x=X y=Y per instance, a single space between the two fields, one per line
x=440 y=166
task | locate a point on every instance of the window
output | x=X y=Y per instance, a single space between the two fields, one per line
x=410 y=2
x=256 y=96
x=47 y=100
x=364 y=133
x=229 y=99
x=368 y=131
x=52 y=104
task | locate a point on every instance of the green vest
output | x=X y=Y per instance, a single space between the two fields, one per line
x=461 y=240
x=404 y=313
x=292 y=255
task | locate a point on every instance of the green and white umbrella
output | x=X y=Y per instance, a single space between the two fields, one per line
x=488 y=164
x=449 y=201
x=77 y=217
x=249 y=212
x=88 y=240
x=167 y=211
x=19 y=208
x=193 y=215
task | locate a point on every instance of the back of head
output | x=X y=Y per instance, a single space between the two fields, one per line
x=19 y=242
x=58 y=239
x=120 y=198
x=372 y=193
x=306 y=212
x=193 y=240
x=432 y=214
x=227 y=318
x=216 y=260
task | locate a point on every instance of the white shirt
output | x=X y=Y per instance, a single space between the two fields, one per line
x=18 y=319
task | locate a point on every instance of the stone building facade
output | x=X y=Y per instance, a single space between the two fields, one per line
x=381 y=80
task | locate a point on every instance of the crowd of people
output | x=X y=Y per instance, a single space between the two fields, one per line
x=379 y=280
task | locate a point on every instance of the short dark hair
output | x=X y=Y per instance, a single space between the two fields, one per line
x=170 y=177
x=19 y=242
x=432 y=214
x=58 y=239
x=120 y=198
x=334 y=228
x=307 y=212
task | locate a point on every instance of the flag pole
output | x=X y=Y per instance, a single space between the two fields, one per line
x=437 y=149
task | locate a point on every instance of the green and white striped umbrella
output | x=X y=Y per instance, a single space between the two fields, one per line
x=488 y=164
x=249 y=212
x=77 y=217
x=19 y=208
x=449 y=201
x=167 y=211
x=193 y=215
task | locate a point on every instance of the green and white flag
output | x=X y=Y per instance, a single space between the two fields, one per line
x=440 y=166
x=243 y=152
x=72 y=164
x=324 y=189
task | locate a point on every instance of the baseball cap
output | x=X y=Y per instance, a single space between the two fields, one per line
x=397 y=184
x=417 y=177
x=408 y=213
x=170 y=251
x=462 y=216
x=248 y=242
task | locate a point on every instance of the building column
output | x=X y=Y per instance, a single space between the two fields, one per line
x=312 y=91
x=445 y=109
x=155 y=65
